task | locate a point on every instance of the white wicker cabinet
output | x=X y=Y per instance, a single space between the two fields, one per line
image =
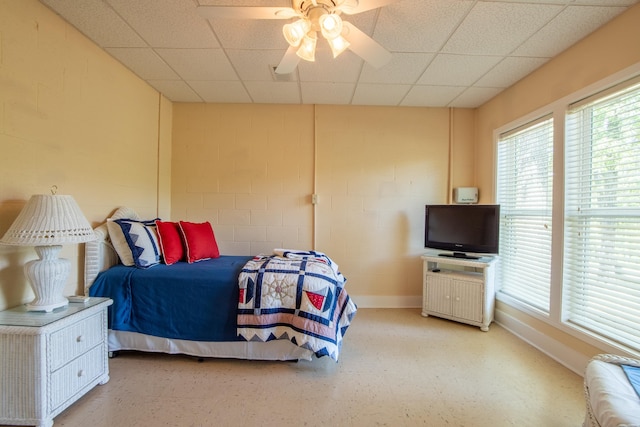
x=50 y=360
x=459 y=289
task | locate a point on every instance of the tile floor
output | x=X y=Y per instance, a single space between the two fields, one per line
x=397 y=368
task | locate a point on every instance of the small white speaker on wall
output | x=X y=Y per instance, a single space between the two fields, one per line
x=465 y=195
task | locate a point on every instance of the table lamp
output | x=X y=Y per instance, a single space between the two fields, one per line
x=48 y=222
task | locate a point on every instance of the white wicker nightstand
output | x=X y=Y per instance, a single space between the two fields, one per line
x=50 y=360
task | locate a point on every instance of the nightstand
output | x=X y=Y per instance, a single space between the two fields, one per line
x=50 y=360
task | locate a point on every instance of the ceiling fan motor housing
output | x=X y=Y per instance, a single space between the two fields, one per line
x=305 y=6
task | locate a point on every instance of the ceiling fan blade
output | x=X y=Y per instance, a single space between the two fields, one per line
x=289 y=61
x=245 y=12
x=364 y=46
x=351 y=7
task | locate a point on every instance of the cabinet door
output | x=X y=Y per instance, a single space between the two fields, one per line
x=466 y=300
x=438 y=294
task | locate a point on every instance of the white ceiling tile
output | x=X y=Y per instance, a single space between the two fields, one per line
x=607 y=2
x=343 y=69
x=509 y=71
x=419 y=25
x=474 y=96
x=566 y=29
x=364 y=21
x=144 y=62
x=561 y=2
x=255 y=64
x=326 y=93
x=249 y=34
x=404 y=68
x=221 y=92
x=457 y=70
x=275 y=3
x=493 y=28
x=579 y=2
x=274 y=92
x=370 y=94
x=431 y=96
x=175 y=90
x=98 y=21
x=167 y=23
x=199 y=64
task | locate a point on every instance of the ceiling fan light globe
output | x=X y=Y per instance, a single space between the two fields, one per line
x=307 y=50
x=295 y=31
x=330 y=25
x=338 y=45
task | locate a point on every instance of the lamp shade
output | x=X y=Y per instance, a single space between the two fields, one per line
x=307 y=49
x=294 y=32
x=338 y=45
x=49 y=220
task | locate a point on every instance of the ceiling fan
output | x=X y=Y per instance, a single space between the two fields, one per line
x=313 y=17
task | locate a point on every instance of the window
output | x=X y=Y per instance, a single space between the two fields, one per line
x=524 y=192
x=601 y=273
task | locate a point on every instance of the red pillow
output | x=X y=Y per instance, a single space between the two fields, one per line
x=199 y=241
x=170 y=241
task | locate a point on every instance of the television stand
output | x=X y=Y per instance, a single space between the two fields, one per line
x=461 y=255
x=459 y=289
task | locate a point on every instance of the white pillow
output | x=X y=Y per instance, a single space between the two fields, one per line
x=119 y=242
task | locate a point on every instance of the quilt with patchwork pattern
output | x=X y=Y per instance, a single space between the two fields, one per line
x=295 y=295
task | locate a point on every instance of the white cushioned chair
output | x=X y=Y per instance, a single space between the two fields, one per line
x=611 y=400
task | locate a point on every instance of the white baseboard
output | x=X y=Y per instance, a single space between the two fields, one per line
x=374 y=301
x=556 y=350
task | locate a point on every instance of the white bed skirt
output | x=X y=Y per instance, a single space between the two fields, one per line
x=271 y=350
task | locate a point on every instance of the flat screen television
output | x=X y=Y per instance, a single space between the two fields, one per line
x=467 y=231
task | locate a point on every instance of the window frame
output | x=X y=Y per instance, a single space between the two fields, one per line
x=556 y=317
x=525 y=212
x=590 y=158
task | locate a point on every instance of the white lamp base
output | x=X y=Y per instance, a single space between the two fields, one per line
x=47 y=276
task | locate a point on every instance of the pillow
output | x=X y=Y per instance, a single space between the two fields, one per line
x=199 y=241
x=119 y=242
x=140 y=246
x=170 y=241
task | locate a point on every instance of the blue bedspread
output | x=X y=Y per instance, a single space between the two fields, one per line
x=196 y=302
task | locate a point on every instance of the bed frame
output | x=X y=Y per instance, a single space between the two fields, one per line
x=101 y=255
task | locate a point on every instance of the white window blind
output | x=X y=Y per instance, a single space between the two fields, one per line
x=601 y=275
x=524 y=192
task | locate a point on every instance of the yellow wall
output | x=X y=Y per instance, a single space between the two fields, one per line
x=376 y=169
x=252 y=169
x=612 y=48
x=71 y=116
x=248 y=169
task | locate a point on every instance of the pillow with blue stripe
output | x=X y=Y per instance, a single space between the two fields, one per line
x=136 y=242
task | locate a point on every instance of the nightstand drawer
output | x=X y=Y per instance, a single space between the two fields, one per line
x=69 y=343
x=70 y=379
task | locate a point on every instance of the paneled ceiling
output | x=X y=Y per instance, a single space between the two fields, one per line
x=445 y=53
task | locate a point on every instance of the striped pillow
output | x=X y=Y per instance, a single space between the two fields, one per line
x=136 y=242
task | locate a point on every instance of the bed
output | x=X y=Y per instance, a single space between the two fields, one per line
x=289 y=305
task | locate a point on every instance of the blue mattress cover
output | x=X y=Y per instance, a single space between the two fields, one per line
x=196 y=302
